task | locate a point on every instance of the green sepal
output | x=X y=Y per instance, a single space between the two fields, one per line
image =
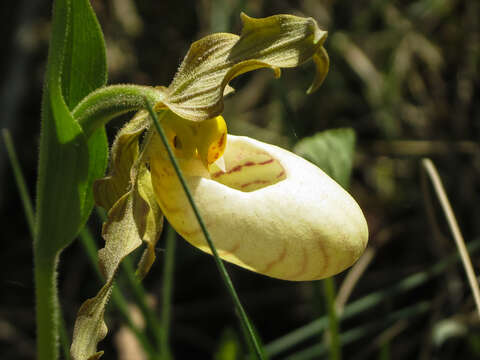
x=127 y=168
x=154 y=221
x=125 y=150
x=133 y=217
x=122 y=236
x=281 y=41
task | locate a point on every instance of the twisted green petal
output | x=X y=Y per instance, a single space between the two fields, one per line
x=281 y=41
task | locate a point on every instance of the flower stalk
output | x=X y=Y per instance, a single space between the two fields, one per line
x=106 y=103
x=47 y=307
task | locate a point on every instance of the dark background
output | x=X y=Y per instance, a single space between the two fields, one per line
x=404 y=75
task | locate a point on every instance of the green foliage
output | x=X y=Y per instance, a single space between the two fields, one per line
x=332 y=151
x=372 y=300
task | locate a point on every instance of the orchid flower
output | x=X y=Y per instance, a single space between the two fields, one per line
x=267 y=209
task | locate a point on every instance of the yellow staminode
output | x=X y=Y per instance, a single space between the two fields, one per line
x=189 y=140
x=212 y=139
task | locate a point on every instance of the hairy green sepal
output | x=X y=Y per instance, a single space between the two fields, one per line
x=280 y=41
x=197 y=90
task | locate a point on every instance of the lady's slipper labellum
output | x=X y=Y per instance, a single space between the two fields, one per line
x=270 y=211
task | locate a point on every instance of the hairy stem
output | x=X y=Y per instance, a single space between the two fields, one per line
x=106 y=103
x=47 y=307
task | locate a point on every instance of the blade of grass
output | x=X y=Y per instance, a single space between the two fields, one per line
x=244 y=320
x=30 y=216
x=20 y=181
x=385 y=338
x=168 y=269
x=316 y=351
x=352 y=278
x=432 y=173
x=410 y=282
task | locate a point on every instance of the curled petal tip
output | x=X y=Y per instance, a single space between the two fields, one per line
x=322 y=64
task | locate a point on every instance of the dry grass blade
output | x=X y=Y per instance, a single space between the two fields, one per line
x=352 y=278
x=361 y=266
x=432 y=173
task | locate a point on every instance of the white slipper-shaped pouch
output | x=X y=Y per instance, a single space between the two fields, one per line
x=269 y=211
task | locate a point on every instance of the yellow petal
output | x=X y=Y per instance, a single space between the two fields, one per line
x=271 y=212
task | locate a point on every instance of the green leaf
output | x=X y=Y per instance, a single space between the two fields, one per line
x=332 y=151
x=68 y=161
x=63 y=150
x=84 y=70
x=84 y=65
